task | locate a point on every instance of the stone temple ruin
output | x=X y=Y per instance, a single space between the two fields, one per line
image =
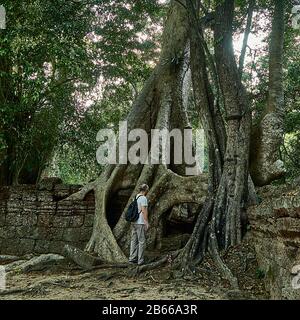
x=34 y=220
x=38 y=220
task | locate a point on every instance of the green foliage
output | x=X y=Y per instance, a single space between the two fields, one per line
x=52 y=54
x=45 y=58
x=126 y=49
x=256 y=79
x=260 y=274
x=71 y=68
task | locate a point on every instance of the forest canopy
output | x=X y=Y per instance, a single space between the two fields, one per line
x=80 y=65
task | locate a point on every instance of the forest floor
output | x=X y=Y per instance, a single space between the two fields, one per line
x=111 y=284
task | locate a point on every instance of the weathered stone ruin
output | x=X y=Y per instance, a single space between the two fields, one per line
x=39 y=220
x=275 y=229
x=34 y=220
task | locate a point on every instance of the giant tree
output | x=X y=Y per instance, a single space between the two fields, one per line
x=225 y=114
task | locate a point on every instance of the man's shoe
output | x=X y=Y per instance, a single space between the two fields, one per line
x=133 y=262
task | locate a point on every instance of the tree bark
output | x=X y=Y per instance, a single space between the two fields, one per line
x=236 y=162
x=246 y=36
x=219 y=223
x=267 y=136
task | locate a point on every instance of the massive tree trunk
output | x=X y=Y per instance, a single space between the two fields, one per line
x=158 y=106
x=267 y=136
x=219 y=224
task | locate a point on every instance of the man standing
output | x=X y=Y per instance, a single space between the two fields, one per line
x=139 y=228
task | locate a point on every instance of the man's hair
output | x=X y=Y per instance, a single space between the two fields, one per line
x=143 y=187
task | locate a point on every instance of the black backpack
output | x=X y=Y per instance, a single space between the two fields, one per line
x=133 y=213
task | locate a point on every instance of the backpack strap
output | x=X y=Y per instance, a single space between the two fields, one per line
x=136 y=198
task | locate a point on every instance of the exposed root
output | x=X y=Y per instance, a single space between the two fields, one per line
x=13 y=291
x=81 y=194
x=41 y=262
x=213 y=246
x=81 y=258
x=103 y=241
x=9 y=258
x=153 y=265
x=203 y=239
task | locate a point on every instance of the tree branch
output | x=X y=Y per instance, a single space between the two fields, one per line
x=246 y=36
x=181 y=3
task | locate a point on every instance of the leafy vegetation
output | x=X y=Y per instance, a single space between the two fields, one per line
x=70 y=68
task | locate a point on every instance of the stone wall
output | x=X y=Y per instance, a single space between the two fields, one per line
x=39 y=220
x=275 y=229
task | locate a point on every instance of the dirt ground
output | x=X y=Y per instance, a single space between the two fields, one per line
x=100 y=285
x=109 y=284
x=204 y=284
